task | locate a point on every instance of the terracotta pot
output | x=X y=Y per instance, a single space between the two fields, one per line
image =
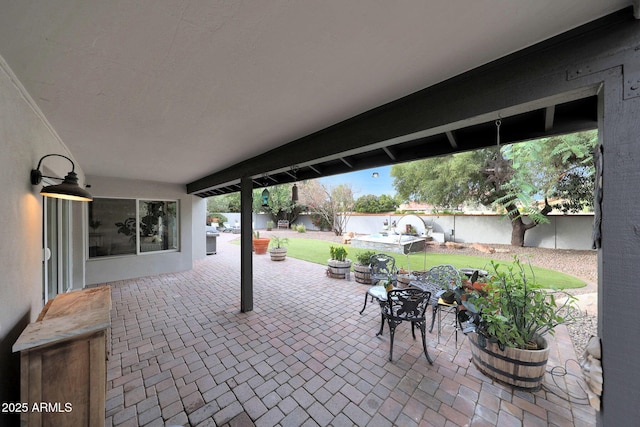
x=260 y=245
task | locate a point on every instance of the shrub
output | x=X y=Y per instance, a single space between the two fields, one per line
x=511 y=310
x=221 y=219
x=339 y=253
x=301 y=228
x=320 y=222
x=363 y=257
x=278 y=242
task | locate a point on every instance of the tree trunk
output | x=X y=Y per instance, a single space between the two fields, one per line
x=518 y=229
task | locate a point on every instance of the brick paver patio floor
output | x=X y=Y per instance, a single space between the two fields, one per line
x=183 y=354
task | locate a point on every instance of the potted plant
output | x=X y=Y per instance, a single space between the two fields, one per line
x=95 y=238
x=361 y=268
x=339 y=265
x=507 y=321
x=128 y=228
x=150 y=223
x=278 y=251
x=260 y=244
x=270 y=225
x=404 y=277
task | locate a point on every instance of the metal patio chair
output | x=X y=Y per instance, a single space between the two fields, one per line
x=406 y=305
x=447 y=278
x=383 y=267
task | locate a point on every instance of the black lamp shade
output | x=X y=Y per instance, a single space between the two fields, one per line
x=68 y=189
x=294 y=193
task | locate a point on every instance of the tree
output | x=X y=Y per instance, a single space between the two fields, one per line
x=334 y=204
x=373 y=204
x=446 y=182
x=217 y=204
x=515 y=179
x=280 y=204
x=543 y=169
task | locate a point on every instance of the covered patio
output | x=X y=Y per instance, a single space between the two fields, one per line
x=182 y=353
x=175 y=101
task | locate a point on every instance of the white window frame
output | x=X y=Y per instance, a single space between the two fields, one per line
x=138 y=241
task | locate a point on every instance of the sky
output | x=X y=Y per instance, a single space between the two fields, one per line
x=362 y=182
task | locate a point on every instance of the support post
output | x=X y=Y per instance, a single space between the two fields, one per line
x=246 y=242
x=618 y=267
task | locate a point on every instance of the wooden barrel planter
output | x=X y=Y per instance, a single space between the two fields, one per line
x=339 y=269
x=362 y=273
x=523 y=369
x=278 y=254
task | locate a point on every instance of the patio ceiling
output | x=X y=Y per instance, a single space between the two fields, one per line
x=188 y=92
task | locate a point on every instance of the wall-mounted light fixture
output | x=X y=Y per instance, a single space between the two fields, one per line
x=68 y=189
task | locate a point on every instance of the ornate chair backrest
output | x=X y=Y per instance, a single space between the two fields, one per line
x=406 y=304
x=421 y=281
x=445 y=276
x=382 y=267
x=421 y=276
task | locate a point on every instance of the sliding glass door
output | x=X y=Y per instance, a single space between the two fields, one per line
x=57 y=247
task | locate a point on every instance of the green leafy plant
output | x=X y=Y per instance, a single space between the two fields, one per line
x=278 y=242
x=149 y=222
x=94 y=224
x=338 y=253
x=216 y=217
x=301 y=228
x=270 y=225
x=320 y=222
x=363 y=257
x=511 y=311
x=128 y=228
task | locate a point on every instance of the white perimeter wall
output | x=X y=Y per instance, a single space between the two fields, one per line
x=562 y=231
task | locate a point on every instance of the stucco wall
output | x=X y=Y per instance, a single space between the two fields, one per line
x=26 y=137
x=562 y=231
x=192 y=217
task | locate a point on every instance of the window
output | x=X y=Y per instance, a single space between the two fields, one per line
x=158 y=230
x=130 y=227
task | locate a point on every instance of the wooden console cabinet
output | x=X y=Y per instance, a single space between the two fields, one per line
x=63 y=361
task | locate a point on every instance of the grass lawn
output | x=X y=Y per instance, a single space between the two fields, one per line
x=317 y=251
